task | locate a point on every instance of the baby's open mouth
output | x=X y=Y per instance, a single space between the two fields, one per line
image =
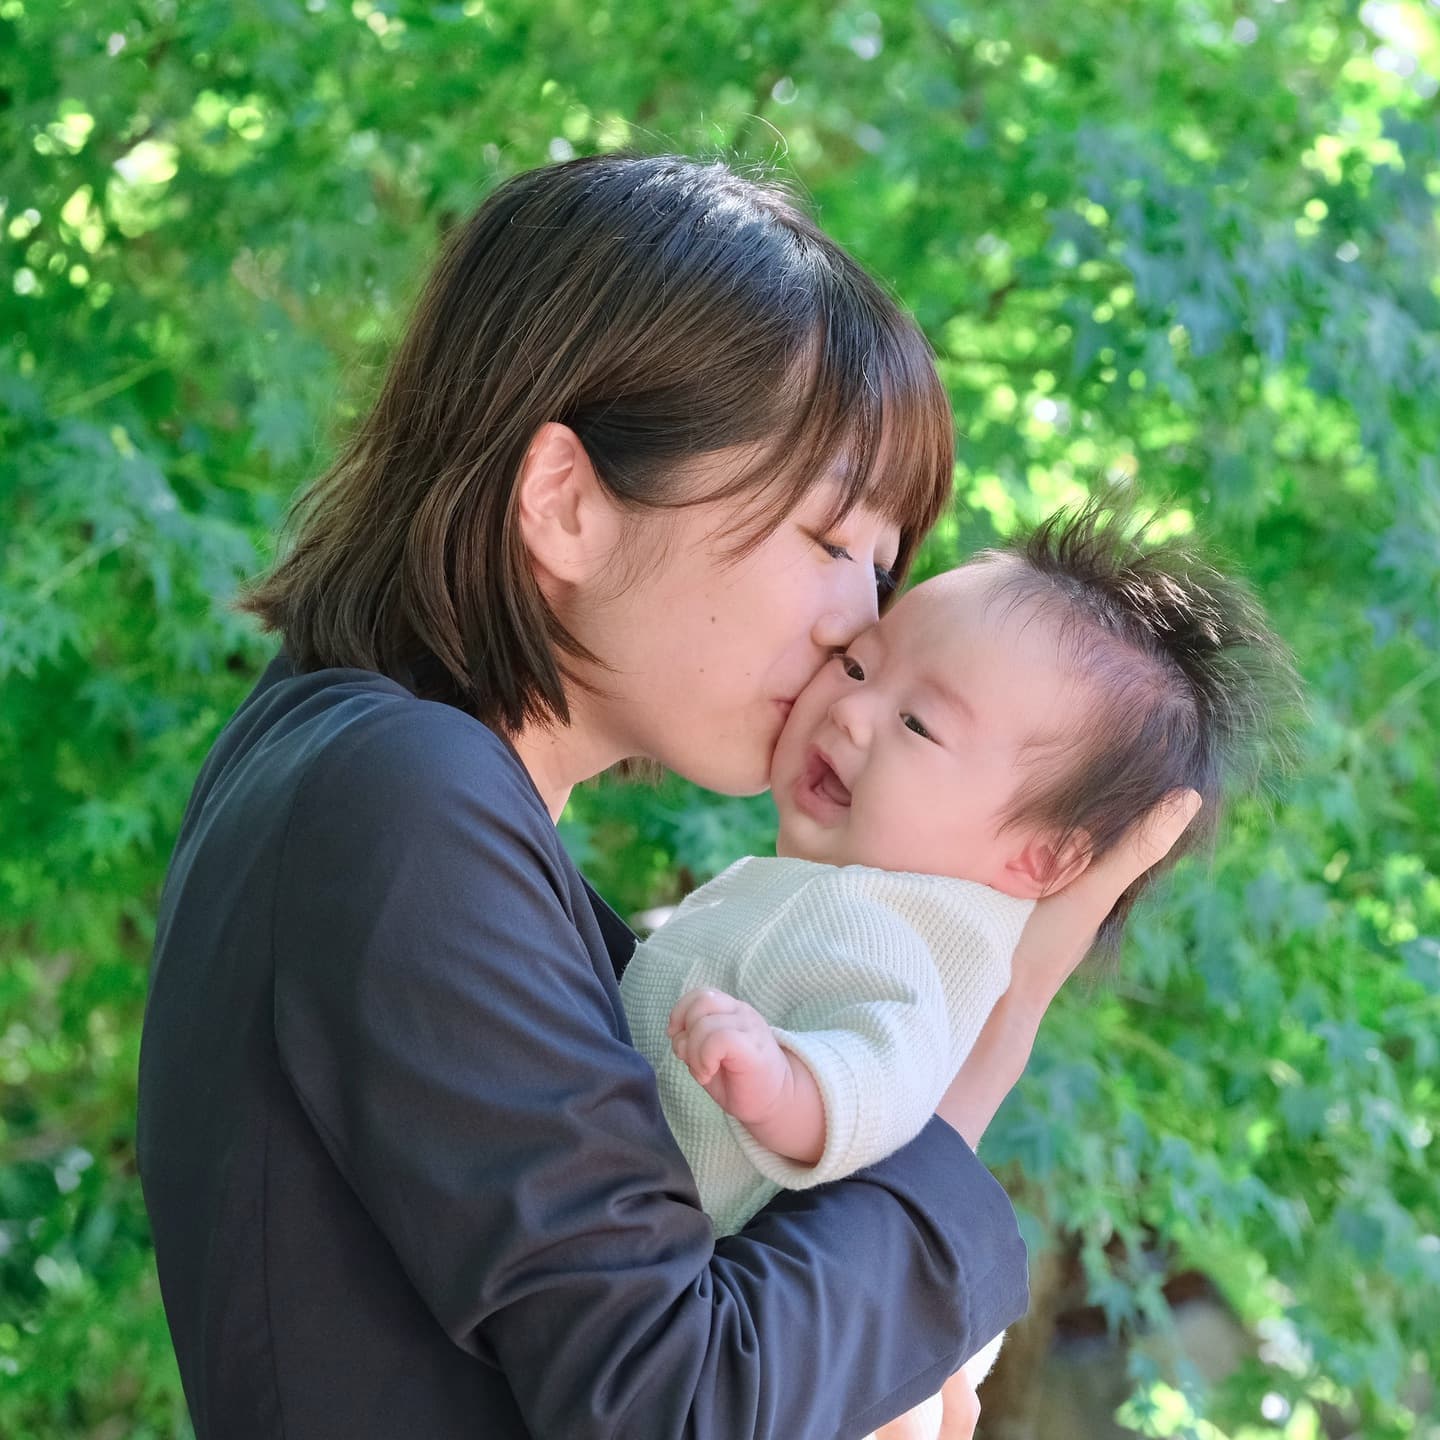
x=821 y=780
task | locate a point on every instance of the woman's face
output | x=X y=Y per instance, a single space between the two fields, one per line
x=707 y=653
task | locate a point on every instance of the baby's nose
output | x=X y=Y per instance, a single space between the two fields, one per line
x=850 y=715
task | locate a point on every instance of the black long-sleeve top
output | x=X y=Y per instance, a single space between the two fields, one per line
x=408 y=1176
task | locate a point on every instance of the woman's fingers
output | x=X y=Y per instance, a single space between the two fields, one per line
x=1062 y=928
x=1147 y=844
x=921 y=1423
x=961 y=1408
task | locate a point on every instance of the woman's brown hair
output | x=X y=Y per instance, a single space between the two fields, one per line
x=663 y=309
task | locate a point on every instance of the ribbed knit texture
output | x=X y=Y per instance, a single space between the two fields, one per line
x=879 y=981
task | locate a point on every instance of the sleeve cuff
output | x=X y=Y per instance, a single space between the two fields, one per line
x=838 y=1086
x=972 y=1219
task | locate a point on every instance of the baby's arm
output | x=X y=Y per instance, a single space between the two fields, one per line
x=876 y=983
x=732 y=1052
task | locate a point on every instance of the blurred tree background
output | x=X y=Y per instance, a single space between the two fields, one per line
x=1193 y=241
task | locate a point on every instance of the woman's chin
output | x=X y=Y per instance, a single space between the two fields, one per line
x=737 y=775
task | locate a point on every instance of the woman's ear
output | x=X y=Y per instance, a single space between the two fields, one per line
x=1046 y=863
x=568 y=521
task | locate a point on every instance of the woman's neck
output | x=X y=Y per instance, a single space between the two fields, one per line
x=559 y=757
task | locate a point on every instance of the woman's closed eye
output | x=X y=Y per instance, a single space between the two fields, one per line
x=885 y=581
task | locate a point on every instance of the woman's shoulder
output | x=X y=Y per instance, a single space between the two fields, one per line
x=360 y=744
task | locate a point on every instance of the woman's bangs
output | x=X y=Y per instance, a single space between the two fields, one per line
x=868 y=416
x=900 y=455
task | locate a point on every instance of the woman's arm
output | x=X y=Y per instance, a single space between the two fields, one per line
x=451 y=1041
x=1057 y=938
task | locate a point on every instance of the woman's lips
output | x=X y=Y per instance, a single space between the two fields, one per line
x=819 y=791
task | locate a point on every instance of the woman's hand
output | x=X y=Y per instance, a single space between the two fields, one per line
x=1056 y=939
x=961 y=1413
x=1063 y=926
x=951 y=1415
x=921 y=1423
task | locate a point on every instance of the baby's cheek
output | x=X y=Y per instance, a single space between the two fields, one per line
x=872 y=835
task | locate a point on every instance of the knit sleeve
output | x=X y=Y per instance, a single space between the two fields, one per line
x=880 y=983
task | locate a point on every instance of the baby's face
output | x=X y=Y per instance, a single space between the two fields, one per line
x=907 y=750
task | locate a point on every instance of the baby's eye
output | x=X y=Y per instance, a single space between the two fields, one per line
x=852 y=667
x=885 y=582
x=913 y=722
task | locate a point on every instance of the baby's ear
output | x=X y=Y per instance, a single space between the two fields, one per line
x=1047 y=862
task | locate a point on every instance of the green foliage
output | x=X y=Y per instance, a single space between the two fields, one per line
x=1195 y=243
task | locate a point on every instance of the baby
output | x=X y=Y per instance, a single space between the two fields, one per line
x=997 y=731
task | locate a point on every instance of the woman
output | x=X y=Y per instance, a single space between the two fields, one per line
x=651 y=448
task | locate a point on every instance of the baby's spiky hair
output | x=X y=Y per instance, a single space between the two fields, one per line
x=1192 y=688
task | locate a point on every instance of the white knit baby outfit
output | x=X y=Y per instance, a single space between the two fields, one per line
x=879 y=981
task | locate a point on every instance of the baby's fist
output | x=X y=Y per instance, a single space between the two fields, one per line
x=730 y=1049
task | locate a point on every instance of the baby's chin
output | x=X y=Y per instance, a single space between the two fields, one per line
x=799 y=839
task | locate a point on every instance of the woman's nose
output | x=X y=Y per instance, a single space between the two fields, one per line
x=832 y=631
x=838 y=627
